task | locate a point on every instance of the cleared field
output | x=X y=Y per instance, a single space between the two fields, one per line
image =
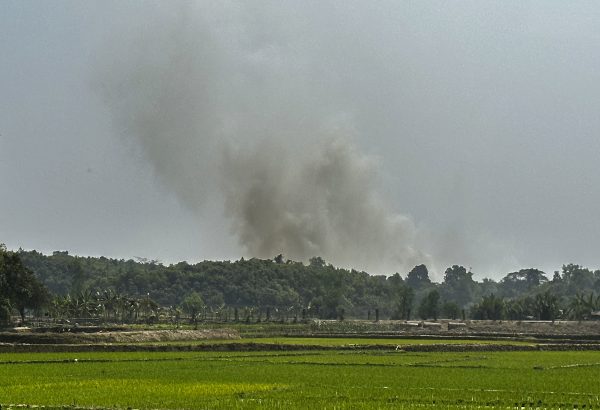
x=316 y=379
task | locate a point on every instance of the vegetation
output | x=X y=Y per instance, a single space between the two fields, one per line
x=315 y=379
x=255 y=290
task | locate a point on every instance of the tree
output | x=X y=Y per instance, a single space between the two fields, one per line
x=75 y=272
x=404 y=297
x=458 y=285
x=18 y=285
x=5 y=309
x=519 y=309
x=149 y=308
x=578 y=277
x=577 y=307
x=487 y=286
x=556 y=277
x=110 y=302
x=193 y=305
x=581 y=307
x=491 y=307
x=430 y=305
x=524 y=281
x=418 y=277
x=546 y=306
x=450 y=310
x=316 y=262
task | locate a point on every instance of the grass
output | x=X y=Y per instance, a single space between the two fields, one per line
x=316 y=379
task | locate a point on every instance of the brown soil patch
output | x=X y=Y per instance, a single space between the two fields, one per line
x=139 y=336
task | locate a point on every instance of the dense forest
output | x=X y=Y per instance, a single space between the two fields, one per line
x=279 y=289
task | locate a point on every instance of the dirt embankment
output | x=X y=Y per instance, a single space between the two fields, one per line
x=558 y=335
x=470 y=329
x=132 y=336
x=534 y=327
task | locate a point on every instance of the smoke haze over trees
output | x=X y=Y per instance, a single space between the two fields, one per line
x=223 y=109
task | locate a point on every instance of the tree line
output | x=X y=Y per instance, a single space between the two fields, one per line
x=62 y=286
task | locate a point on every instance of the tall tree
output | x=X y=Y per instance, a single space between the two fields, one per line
x=193 y=305
x=458 y=285
x=18 y=285
x=578 y=277
x=429 y=307
x=518 y=283
x=418 y=277
x=404 y=297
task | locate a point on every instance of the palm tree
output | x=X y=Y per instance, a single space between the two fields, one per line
x=132 y=307
x=581 y=306
x=546 y=306
x=59 y=307
x=577 y=308
x=148 y=307
x=109 y=300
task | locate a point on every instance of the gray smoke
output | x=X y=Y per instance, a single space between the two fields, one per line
x=225 y=103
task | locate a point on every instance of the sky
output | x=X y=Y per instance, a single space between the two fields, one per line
x=378 y=135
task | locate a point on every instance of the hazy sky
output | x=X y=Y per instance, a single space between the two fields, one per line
x=465 y=132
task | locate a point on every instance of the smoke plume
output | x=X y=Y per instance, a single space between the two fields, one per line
x=226 y=103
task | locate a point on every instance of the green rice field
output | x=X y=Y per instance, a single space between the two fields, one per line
x=301 y=379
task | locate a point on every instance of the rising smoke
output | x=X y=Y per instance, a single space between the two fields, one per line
x=225 y=103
